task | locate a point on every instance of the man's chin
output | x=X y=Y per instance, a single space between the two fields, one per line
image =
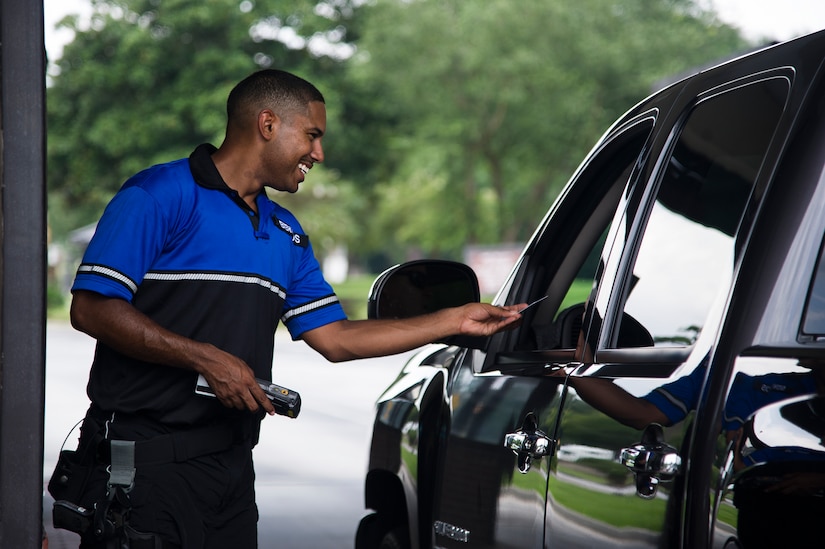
x=291 y=189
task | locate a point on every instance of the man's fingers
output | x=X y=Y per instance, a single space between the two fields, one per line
x=250 y=398
x=262 y=400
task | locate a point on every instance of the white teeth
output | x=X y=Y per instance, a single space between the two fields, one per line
x=304 y=168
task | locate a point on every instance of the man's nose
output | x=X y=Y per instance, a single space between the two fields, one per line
x=317 y=153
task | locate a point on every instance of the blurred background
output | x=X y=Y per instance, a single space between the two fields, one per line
x=452 y=126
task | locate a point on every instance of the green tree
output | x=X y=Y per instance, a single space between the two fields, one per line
x=455 y=122
x=494 y=102
x=148 y=80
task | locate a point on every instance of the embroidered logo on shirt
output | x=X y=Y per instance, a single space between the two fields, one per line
x=298 y=239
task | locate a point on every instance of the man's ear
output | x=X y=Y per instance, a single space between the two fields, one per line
x=268 y=124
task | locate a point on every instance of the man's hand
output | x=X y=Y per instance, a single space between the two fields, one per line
x=233 y=381
x=483 y=319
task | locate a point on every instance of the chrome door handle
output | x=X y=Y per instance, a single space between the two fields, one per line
x=528 y=443
x=536 y=444
x=651 y=461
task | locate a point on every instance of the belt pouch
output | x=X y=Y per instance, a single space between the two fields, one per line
x=69 y=477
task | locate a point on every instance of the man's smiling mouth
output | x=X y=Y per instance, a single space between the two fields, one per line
x=304 y=168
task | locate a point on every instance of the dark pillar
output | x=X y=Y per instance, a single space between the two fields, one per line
x=22 y=271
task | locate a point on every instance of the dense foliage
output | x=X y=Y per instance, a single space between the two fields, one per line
x=451 y=122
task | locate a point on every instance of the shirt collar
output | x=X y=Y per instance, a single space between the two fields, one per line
x=204 y=170
x=207 y=176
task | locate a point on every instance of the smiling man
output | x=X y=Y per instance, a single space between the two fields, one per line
x=190 y=271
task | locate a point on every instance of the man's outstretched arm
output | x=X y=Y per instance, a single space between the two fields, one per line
x=353 y=339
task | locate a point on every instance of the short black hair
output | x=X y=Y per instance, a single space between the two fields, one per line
x=281 y=91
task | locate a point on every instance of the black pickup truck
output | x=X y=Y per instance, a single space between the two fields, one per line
x=667 y=390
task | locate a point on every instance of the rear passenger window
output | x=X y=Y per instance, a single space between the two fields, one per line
x=687 y=252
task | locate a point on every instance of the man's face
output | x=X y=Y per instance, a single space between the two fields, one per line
x=296 y=148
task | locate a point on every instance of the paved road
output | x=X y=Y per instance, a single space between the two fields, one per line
x=309 y=469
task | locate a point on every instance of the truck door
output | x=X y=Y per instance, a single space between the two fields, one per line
x=489 y=494
x=653 y=321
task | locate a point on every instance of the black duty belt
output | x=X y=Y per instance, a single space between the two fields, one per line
x=181 y=445
x=184 y=445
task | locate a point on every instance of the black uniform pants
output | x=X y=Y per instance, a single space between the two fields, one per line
x=206 y=502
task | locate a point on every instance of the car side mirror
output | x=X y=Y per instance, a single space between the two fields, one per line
x=425 y=286
x=421 y=287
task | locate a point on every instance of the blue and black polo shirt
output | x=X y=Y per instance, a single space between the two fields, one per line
x=187 y=251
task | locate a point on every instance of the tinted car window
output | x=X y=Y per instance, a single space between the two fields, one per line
x=565 y=262
x=688 y=248
x=813 y=326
